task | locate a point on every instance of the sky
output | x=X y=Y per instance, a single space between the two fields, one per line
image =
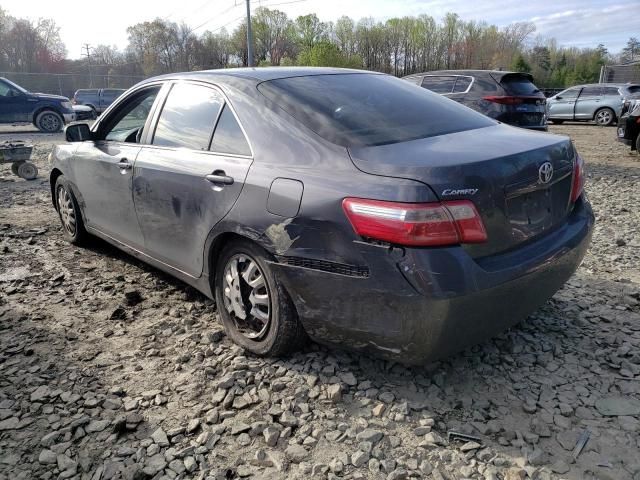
x=579 y=23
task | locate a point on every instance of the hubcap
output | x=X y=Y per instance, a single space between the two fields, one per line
x=50 y=122
x=66 y=210
x=246 y=296
x=604 y=117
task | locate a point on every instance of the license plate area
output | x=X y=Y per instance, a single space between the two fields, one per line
x=530 y=213
x=621 y=132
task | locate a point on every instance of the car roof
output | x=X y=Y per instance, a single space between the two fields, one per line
x=469 y=72
x=260 y=74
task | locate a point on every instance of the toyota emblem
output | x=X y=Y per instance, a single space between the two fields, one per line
x=545 y=172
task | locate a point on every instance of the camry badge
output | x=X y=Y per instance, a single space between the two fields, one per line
x=545 y=172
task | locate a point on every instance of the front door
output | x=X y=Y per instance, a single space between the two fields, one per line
x=588 y=102
x=103 y=169
x=190 y=176
x=14 y=105
x=562 y=105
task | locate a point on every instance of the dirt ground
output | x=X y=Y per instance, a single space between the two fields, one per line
x=111 y=369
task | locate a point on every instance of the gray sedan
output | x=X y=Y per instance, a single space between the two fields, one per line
x=347 y=206
x=597 y=102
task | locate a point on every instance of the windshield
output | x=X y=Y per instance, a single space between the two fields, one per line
x=17 y=87
x=357 y=110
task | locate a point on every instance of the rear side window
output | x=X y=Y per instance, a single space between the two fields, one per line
x=519 y=85
x=611 y=91
x=462 y=84
x=439 y=84
x=356 y=110
x=591 y=91
x=228 y=136
x=188 y=117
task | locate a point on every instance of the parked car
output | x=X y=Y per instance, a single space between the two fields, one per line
x=47 y=112
x=597 y=102
x=508 y=97
x=97 y=98
x=629 y=126
x=342 y=204
x=84 y=113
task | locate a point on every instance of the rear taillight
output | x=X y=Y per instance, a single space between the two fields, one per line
x=578 y=178
x=505 y=100
x=416 y=224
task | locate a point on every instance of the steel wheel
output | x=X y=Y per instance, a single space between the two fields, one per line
x=66 y=210
x=604 y=117
x=246 y=296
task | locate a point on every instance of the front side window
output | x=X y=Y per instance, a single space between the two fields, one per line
x=570 y=94
x=5 y=90
x=439 y=84
x=228 y=136
x=188 y=117
x=366 y=109
x=592 y=91
x=126 y=124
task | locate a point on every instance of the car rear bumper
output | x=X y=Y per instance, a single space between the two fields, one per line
x=428 y=303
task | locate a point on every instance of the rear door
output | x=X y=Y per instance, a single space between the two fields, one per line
x=563 y=104
x=189 y=177
x=589 y=100
x=103 y=168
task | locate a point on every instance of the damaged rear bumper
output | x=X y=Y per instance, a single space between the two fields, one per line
x=418 y=305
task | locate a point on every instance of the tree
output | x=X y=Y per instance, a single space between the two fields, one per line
x=520 y=64
x=326 y=54
x=632 y=51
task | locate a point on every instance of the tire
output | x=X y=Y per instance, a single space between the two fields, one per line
x=638 y=144
x=557 y=122
x=67 y=207
x=605 y=117
x=27 y=170
x=281 y=332
x=14 y=168
x=49 y=121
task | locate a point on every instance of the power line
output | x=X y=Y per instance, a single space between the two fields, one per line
x=218 y=15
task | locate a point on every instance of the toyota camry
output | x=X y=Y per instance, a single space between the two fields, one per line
x=345 y=206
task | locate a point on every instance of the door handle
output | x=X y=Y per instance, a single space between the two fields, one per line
x=219 y=177
x=124 y=164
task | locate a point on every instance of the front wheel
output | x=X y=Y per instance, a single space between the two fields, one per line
x=49 y=121
x=605 y=117
x=255 y=309
x=69 y=213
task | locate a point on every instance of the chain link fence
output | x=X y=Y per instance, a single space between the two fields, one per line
x=66 y=84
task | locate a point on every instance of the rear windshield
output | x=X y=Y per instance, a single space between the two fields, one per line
x=519 y=85
x=357 y=110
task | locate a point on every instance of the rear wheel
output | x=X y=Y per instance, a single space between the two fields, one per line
x=14 y=168
x=638 y=144
x=604 y=117
x=49 y=121
x=255 y=309
x=69 y=212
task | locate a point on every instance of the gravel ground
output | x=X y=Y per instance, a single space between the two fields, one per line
x=110 y=369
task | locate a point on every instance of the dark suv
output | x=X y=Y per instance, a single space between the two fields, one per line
x=509 y=97
x=47 y=112
x=97 y=98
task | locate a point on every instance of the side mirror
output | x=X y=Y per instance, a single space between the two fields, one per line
x=558 y=97
x=77 y=132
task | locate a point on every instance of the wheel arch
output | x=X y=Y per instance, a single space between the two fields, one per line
x=53 y=178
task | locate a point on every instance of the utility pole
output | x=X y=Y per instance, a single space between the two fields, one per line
x=249 y=37
x=86 y=47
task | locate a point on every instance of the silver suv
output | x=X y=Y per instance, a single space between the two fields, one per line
x=601 y=102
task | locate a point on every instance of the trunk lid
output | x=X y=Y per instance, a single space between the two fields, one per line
x=498 y=168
